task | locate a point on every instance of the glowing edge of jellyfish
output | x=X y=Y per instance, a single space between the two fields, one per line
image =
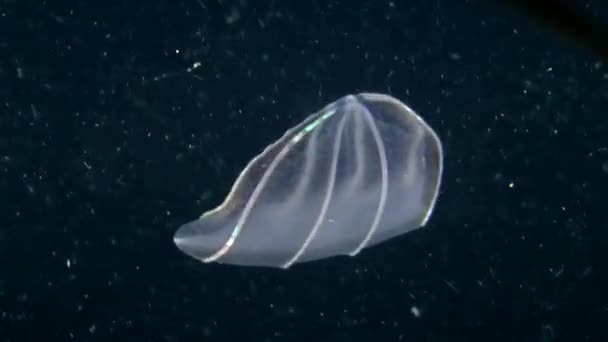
x=383 y=192
x=328 y=194
x=384 y=187
x=258 y=189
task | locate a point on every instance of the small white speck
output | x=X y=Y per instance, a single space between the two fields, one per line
x=68 y=263
x=455 y=56
x=233 y=17
x=415 y=311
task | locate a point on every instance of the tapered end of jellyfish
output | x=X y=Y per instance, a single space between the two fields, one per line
x=179 y=240
x=189 y=240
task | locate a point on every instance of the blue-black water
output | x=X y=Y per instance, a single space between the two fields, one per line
x=121 y=121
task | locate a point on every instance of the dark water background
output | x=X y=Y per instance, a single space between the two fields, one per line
x=108 y=143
